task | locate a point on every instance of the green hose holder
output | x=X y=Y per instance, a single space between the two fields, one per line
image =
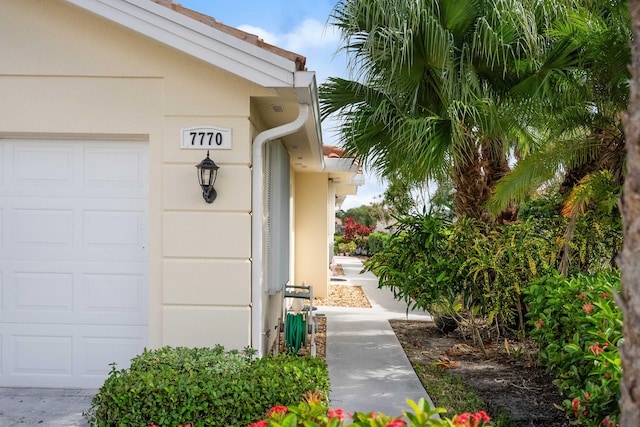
x=295 y=333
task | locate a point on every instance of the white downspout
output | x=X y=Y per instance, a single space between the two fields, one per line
x=258 y=221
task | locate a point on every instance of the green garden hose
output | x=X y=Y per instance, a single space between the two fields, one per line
x=295 y=332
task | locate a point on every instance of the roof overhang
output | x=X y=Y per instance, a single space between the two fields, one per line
x=197 y=39
x=346 y=176
x=248 y=58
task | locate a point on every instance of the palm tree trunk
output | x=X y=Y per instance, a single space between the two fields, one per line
x=629 y=302
x=469 y=183
x=494 y=167
x=475 y=175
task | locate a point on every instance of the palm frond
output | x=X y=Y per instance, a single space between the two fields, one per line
x=540 y=167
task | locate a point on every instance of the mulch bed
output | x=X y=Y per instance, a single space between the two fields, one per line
x=509 y=380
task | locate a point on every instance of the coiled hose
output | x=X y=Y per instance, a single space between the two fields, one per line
x=295 y=333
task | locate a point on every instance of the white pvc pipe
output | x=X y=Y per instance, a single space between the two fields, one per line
x=258 y=221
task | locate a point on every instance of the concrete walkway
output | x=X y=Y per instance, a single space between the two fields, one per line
x=368 y=369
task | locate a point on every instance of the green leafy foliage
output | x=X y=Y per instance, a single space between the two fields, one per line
x=377 y=242
x=465 y=269
x=364 y=214
x=340 y=246
x=203 y=387
x=579 y=329
x=414 y=264
x=473 y=271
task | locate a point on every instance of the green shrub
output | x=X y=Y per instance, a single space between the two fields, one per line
x=348 y=248
x=203 y=387
x=377 y=242
x=579 y=329
x=471 y=270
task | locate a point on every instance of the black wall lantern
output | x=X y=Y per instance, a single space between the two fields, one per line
x=207 y=174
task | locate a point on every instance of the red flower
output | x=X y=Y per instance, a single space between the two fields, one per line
x=261 y=423
x=605 y=295
x=281 y=410
x=481 y=416
x=588 y=307
x=465 y=419
x=396 y=423
x=462 y=419
x=586 y=394
x=336 y=413
x=539 y=324
x=575 y=402
x=596 y=349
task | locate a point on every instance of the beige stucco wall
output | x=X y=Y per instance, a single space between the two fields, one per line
x=74 y=74
x=311 y=255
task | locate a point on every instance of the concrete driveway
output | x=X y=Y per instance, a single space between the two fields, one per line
x=44 y=407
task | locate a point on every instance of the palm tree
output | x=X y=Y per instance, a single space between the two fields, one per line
x=428 y=75
x=574 y=101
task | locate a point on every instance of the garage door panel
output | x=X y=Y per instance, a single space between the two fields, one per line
x=65 y=355
x=42 y=354
x=104 y=294
x=114 y=297
x=73 y=260
x=99 y=352
x=100 y=173
x=44 y=291
x=112 y=235
x=45 y=165
x=43 y=227
x=113 y=228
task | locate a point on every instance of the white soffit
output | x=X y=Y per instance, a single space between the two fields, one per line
x=340 y=165
x=194 y=38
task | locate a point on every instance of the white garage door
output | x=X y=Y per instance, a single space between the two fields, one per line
x=73 y=260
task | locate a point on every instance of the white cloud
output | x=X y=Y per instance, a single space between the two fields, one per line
x=310 y=34
x=262 y=33
x=311 y=39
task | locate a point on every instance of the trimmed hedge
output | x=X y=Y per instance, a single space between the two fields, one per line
x=377 y=242
x=203 y=387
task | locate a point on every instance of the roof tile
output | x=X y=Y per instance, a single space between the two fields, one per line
x=242 y=35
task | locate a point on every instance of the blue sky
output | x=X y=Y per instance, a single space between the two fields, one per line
x=300 y=26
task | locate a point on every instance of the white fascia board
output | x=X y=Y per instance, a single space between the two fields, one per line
x=199 y=40
x=307 y=92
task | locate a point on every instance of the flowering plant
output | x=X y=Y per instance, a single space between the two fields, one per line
x=580 y=327
x=312 y=412
x=357 y=234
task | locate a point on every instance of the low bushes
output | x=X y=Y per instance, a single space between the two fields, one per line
x=201 y=386
x=312 y=412
x=579 y=329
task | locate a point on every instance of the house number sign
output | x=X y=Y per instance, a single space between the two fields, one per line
x=206 y=137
